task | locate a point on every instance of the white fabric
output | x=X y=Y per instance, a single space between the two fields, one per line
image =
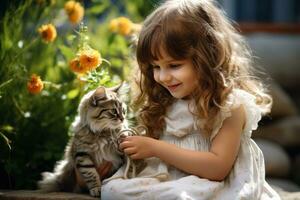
x=161 y=181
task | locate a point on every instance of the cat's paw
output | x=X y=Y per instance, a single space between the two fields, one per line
x=95 y=192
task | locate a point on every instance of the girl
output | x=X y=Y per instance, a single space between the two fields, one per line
x=200 y=103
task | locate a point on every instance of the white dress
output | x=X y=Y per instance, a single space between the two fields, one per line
x=161 y=181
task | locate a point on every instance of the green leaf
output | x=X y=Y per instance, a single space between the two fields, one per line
x=73 y=93
x=66 y=51
x=105 y=79
x=7 y=128
x=96 y=9
x=71 y=37
x=111 y=39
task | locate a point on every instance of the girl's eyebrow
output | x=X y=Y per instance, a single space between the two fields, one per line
x=166 y=61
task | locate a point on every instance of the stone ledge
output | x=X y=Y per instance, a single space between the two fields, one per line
x=287 y=195
x=37 y=195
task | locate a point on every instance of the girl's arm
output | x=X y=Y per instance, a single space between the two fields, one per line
x=214 y=165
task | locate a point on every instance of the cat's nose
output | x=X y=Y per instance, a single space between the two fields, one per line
x=121 y=117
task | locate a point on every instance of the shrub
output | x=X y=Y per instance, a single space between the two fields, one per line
x=38 y=38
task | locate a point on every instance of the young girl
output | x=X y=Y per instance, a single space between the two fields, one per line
x=200 y=103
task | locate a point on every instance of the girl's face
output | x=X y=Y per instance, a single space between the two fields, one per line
x=178 y=76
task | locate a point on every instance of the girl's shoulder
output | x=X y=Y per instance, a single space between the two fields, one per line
x=239 y=97
x=236 y=99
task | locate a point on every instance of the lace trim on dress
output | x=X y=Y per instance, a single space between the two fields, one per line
x=236 y=99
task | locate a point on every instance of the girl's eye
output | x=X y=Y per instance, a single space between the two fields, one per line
x=175 y=65
x=155 y=67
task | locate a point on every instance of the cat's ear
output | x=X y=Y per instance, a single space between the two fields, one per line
x=122 y=90
x=99 y=94
x=116 y=88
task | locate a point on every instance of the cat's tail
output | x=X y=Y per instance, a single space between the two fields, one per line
x=62 y=179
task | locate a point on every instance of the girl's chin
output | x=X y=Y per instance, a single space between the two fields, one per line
x=179 y=95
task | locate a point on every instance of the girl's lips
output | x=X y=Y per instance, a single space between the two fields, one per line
x=173 y=87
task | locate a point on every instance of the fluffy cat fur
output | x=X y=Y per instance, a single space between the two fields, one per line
x=96 y=131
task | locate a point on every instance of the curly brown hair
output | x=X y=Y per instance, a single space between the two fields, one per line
x=197 y=30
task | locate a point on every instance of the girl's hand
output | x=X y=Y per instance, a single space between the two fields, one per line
x=138 y=147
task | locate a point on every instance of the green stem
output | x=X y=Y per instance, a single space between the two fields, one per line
x=18 y=107
x=106 y=61
x=6 y=83
x=25 y=48
x=6 y=140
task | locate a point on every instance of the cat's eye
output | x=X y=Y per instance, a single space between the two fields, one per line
x=100 y=113
x=93 y=102
x=114 y=112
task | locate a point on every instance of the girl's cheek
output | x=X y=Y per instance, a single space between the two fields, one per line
x=155 y=76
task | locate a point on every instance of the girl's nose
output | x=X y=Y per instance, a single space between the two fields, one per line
x=164 y=76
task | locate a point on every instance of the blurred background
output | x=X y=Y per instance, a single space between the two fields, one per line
x=34 y=128
x=272 y=29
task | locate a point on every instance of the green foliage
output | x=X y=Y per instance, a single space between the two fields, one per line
x=34 y=128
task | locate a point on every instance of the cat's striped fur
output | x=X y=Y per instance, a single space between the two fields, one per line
x=101 y=118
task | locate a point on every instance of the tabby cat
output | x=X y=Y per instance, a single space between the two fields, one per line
x=96 y=132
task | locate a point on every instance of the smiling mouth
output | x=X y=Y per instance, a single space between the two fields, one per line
x=173 y=87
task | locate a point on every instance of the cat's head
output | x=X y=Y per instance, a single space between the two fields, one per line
x=101 y=109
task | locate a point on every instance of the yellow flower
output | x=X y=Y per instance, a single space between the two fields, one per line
x=121 y=25
x=125 y=26
x=113 y=25
x=90 y=59
x=74 y=11
x=76 y=67
x=48 y=32
x=35 y=85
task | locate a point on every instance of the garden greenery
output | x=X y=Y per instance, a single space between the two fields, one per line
x=39 y=89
